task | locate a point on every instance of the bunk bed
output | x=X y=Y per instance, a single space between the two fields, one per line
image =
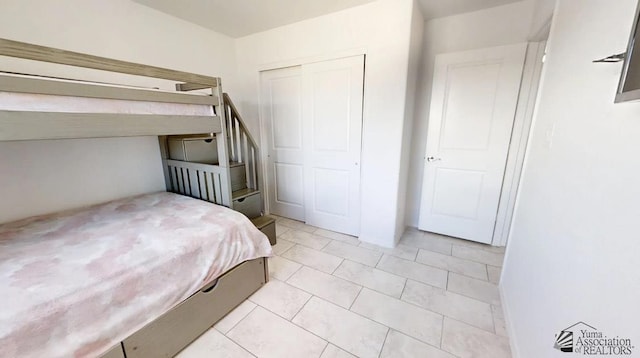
x=136 y=277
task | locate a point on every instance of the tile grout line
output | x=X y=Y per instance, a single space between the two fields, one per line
x=386 y=336
x=294 y=272
x=355 y=299
x=410 y=304
x=338 y=240
x=325 y=245
x=477 y=261
x=445 y=315
x=278 y=314
x=493 y=317
x=325 y=348
x=314 y=295
x=321 y=252
x=242 y=319
x=474 y=327
x=415 y=258
x=371 y=288
x=326 y=340
x=302 y=328
x=475 y=298
x=234 y=326
x=466 y=295
x=238 y=344
x=305 y=303
x=406 y=280
x=441 y=332
x=396 y=274
x=378 y=262
x=290 y=247
x=353 y=260
x=359 y=315
x=307 y=246
x=448 y=269
x=389 y=327
x=335 y=269
x=486 y=269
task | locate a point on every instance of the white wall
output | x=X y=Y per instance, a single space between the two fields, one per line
x=43 y=177
x=542 y=13
x=381 y=30
x=573 y=250
x=415 y=67
x=503 y=25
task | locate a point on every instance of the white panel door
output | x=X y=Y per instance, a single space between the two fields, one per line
x=333 y=95
x=281 y=110
x=473 y=105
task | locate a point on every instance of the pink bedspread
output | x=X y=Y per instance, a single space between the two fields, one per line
x=75 y=283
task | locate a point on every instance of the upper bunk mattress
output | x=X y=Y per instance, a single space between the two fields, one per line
x=75 y=283
x=27 y=102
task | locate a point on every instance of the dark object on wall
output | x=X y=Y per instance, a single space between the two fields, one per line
x=629 y=87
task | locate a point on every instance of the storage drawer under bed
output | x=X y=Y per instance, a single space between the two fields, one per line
x=171 y=332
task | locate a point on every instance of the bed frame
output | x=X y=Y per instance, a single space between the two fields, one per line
x=170 y=333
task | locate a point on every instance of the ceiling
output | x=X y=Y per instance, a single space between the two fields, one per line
x=237 y=18
x=432 y=9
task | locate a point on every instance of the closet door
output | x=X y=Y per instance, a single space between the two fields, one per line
x=312 y=129
x=281 y=113
x=332 y=112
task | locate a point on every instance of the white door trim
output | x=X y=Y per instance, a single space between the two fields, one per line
x=519 y=141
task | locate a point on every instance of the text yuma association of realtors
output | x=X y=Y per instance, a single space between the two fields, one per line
x=595 y=343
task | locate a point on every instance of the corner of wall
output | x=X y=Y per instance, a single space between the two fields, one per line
x=513 y=343
x=413 y=74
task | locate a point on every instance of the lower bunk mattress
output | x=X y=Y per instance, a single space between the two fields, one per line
x=75 y=283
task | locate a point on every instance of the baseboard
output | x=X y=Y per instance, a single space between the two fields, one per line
x=513 y=343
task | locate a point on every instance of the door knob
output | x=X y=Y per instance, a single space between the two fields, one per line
x=433 y=159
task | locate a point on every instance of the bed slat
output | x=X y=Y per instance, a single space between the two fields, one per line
x=202 y=185
x=194 y=186
x=181 y=187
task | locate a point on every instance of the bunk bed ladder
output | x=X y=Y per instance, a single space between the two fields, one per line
x=234 y=179
x=243 y=150
x=245 y=169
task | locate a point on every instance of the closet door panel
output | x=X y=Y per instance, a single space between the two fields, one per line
x=281 y=113
x=332 y=112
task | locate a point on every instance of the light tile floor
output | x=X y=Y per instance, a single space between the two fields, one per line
x=331 y=295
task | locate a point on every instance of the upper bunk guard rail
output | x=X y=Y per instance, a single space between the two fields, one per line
x=28 y=51
x=242 y=147
x=16 y=84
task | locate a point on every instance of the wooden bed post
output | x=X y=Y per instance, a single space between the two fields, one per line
x=223 y=147
x=164 y=155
